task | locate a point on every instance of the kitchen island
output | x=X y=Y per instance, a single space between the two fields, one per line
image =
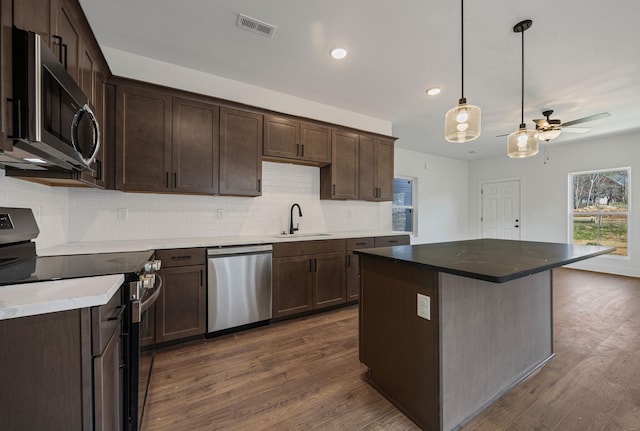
x=447 y=328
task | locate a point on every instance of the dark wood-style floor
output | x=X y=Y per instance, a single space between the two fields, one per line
x=304 y=374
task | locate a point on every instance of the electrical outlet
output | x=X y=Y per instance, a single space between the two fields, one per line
x=123 y=214
x=424 y=306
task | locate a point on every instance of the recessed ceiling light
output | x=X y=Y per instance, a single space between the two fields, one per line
x=338 y=53
x=433 y=91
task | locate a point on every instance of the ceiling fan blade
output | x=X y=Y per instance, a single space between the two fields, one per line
x=585 y=119
x=500 y=136
x=575 y=129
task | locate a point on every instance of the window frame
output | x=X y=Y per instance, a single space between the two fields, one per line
x=570 y=227
x=412 y=207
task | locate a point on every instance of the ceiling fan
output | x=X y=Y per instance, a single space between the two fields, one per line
x=549 y=128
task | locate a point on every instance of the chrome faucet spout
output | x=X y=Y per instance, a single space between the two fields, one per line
x=291 y=228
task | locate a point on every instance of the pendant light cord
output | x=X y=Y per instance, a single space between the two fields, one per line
x=462 y=44
x=522 y=86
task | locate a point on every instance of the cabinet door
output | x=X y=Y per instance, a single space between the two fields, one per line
x=195 y=147
x=108 y=386
x=143 y=142
x=315 y=143
x=240 y=153
x=181 y=306
x=69 y=44
x=353 y=265
x=384 y=170
x=281 y=137
x=367 y=164
x=292 y=285
x=6 y=76
x=343 y=171
x=329 y=279
x=37 y=16
x=87 y=73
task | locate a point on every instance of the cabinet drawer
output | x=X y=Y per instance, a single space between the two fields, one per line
x=181 y=257
x=300 y=248
x=105 y=319
x=356 y=243
x=389 y=241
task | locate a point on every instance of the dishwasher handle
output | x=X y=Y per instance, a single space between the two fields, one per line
x=245 y=249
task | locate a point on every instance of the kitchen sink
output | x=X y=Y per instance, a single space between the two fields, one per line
x=301 y=235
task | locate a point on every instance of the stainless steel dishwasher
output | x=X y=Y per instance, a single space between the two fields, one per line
x=238 y=286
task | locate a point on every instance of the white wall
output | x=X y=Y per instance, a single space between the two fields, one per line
x=94 y=213
x=442 y=195
x=50 y=207
x=545 y=192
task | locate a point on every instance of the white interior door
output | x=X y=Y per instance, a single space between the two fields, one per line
x=501 y=210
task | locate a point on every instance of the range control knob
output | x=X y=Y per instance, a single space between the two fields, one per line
x=148 y=281
x=152 y=265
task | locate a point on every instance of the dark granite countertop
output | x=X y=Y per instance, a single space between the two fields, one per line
x=494 y=260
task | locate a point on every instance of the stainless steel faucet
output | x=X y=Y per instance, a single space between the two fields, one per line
x=291 y=228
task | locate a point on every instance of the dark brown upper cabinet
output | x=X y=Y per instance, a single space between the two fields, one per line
x=143 y=140
x=240 y=152
x=38 y=16
x=295 y=141
x=6 y=76
x=375 y=169
x=195 y=147
x=340 y=180
x=66 y=40
x=165 y=144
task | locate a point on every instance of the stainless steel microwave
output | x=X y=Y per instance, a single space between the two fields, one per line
x=54 y=127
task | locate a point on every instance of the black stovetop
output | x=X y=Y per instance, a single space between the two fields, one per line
x=49 y=268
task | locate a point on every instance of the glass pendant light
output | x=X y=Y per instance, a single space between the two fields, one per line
x=523 y=142
x=462 y=123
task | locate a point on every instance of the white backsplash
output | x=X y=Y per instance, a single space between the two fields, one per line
x=50 y=207
x=93 y=214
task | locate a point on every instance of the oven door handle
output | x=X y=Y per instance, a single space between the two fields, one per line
x=138 y=307
x=150 y=300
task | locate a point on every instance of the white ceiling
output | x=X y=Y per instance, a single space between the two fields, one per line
x=582 y=57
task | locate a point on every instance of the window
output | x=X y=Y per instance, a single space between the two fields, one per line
x=403 y=211
x=600 y=208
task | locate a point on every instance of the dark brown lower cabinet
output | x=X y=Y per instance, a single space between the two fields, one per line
x=329 y=280
x=308 y=275
x=61 y=371
x=292 y=285
x=181 y=306
x=353 y=265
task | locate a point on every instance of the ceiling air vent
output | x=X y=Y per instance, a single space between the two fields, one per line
x=256 y=26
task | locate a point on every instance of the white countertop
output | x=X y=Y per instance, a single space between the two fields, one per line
x=28 y=299
x=51 y=296
x=89 y=247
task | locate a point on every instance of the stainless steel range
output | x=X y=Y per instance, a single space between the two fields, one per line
x=20 y=264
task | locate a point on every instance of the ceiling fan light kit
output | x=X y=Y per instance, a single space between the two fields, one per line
x=523 y=142
x=462 y=123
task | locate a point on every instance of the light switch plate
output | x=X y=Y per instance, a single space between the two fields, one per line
x=424 y=306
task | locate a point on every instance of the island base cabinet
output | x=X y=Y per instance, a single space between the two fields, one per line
x=399 y=348
x=479 y=341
